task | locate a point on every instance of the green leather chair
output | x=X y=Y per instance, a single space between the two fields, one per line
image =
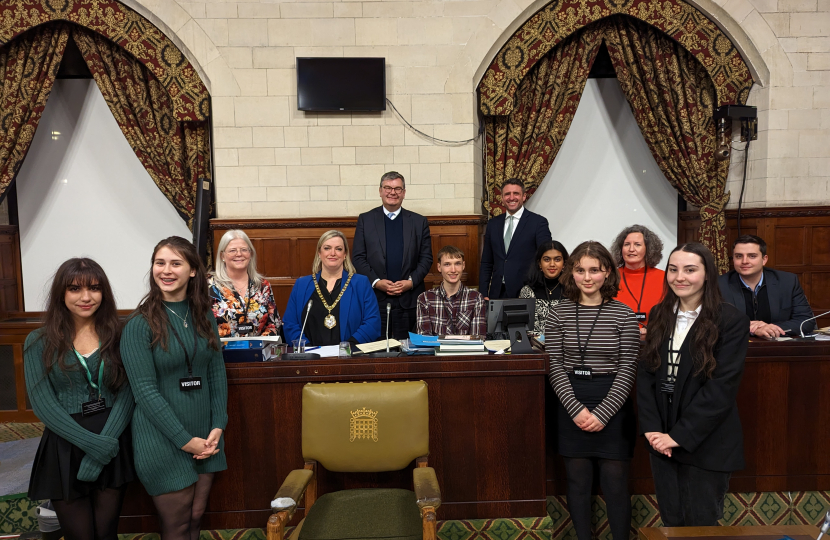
x=361 y=427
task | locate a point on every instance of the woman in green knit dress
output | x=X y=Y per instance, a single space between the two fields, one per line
x=78 y=389
x=174 y=362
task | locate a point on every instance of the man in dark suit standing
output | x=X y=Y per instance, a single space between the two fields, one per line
x=773 y=299
x=392 y=247
x=510 y=244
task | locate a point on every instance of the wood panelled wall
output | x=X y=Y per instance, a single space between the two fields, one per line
x=11 y=283
x=798 y=241
x=285 y=247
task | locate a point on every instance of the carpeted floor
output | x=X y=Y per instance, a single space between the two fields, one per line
x=768 y=508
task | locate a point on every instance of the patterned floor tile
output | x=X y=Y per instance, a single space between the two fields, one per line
x=18 y=515
x=454 y=530
x=15 y=432
x=809 y=507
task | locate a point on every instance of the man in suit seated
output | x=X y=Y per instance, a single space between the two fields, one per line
x=773 y=299
x=393 y=248
x=510 y=244
x=451 y=307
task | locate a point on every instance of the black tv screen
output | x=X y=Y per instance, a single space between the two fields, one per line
x=341 y=84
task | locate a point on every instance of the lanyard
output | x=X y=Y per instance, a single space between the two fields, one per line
x=187 y=358
x=82 y=361
x=247 y=303
x=640 y=301
x=584 y=350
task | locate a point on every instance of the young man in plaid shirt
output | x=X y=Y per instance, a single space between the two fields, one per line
x=451 y=308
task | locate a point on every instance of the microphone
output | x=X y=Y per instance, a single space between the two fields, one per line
x=388 y=311
x=826 y=526
x=307 y=311
x=801 y=326
x=303 y=355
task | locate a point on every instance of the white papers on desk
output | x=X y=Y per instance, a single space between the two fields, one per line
x=326 y=351
x=376 y=346
x=496 y=345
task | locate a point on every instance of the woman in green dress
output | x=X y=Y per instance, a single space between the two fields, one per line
x=78 y=389
x=174 y=362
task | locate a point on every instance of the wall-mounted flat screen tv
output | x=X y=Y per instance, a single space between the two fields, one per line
x=341 y=84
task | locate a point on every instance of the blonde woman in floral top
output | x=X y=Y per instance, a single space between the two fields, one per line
x=243 y=303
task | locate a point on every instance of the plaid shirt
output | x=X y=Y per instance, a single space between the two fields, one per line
x=462 y=314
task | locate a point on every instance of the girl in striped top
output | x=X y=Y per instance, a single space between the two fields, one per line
x=593 y=342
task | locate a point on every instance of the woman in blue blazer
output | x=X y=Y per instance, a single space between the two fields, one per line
x=340 y=303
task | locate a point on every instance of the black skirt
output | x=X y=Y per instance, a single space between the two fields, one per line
x=615 y=441
x=56 y=464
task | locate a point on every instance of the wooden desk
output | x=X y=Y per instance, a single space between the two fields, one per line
x=767 y=532
x=487 y=436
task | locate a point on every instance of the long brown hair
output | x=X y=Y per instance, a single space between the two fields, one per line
x=59 y=326
x=704 y=333
x=594 y=250
x=152 y=306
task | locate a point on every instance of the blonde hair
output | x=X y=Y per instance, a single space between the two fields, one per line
x=317 y=265
x=220 y=274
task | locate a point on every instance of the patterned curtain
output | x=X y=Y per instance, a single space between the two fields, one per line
x=28 y=66
x=175 y=154
x=673 y=98
x=524 y=143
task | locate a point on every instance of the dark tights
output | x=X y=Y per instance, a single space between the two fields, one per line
x=180 y=512
x=94 y=517
x=613 y=477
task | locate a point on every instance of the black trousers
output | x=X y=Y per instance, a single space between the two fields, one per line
x=688 y=496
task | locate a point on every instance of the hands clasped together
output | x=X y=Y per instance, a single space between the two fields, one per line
x=765 y=330
x=394 y=288
x=586 y=421
x=661 y=442
x=204 y=448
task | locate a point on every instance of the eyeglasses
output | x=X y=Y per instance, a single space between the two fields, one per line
x=238 y=251
x=395 y=190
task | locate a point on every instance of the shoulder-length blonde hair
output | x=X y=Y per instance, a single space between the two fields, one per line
x=597 y=251
x=317 y=265
x=220 y=274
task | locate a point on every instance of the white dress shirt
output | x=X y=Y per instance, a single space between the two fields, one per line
x=685 y=320
x=516 y=217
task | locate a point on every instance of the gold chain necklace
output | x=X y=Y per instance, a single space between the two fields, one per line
x=329 y=321
x=184 y=319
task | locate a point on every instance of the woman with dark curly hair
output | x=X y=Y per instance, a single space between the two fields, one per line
x=637 y=252
x=691 y=366
x=593 y=342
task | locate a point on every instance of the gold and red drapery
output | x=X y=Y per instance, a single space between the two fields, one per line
x=28 y=67
x=674 y=71
x=175 y=153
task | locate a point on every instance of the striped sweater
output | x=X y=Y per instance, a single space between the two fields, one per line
x=166 y=418
x=613 y=348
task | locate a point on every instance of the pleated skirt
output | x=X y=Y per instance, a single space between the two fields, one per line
x=56 y=464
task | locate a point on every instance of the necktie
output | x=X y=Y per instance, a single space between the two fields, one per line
x=391 y=215
x=508 y=236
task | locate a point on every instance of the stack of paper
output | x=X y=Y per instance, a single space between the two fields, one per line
x=449 y=345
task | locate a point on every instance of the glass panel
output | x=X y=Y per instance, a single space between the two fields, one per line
x=8 y=386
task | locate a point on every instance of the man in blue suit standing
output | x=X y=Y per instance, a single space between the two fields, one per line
x=510 y=244
x=773 y=299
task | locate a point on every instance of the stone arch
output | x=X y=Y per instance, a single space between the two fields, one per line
x=128 y=29
x=548 y=26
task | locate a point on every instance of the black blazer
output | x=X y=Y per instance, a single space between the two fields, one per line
x=531 y=232
x=787 y=304
x=369 y=253
x=704 y=418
